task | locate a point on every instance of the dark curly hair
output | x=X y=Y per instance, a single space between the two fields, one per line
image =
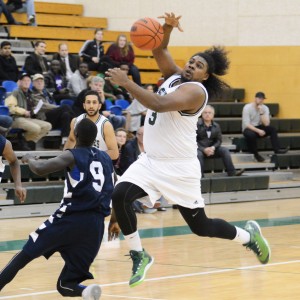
x=218 y=64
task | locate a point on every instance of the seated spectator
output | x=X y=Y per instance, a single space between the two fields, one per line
x=96 y=84
x=92 y=53
x=77 y=82
x=122 y=138
x=20 y=6
x=36 y=62
x=10 y=19
x=256 y=124
x=121 y=52
x=69 y=62
x=8 y=66
x=209 y=140
x=21 y=107
x=60 y=117
x=56 y=82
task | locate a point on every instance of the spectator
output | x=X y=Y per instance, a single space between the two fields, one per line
x=20 y=6
x=10 y=19
x=121 y=52
x=21 y=107
x=105 y=140
x=56 y=82
x=96 y=84
x=69 y=62
x=256 y=124
x=77 y=81
x=36 y=62
x=122 y=138
x=60 y=117
x=92 y=52
x=8 y=66
x=209 y=140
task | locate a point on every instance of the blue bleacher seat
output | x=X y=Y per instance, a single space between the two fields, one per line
x=67 y=102
x=2 y=95
x=123 y=103
x=4 y=111
x=116 y=110
x=108 y=104
x=9 y=85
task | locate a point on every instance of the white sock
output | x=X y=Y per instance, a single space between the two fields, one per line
x=242 y=236
x=133 y=241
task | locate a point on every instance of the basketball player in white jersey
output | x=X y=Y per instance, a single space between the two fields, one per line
x=170 y=167
x=106 y=139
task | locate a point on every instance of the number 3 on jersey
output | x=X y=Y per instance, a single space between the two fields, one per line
x=152 y=118
x=96 y=170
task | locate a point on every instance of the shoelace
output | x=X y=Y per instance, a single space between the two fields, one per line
x=137 y=261
x=255 y=247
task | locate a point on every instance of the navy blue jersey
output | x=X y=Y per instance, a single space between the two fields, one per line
x=89 y=185
x=2 y=145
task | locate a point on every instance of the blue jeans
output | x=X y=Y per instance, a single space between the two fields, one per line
x=6 y=121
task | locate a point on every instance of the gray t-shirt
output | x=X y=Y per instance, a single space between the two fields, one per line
x=252 y=116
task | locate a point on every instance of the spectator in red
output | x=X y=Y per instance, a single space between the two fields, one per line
x=121 y=52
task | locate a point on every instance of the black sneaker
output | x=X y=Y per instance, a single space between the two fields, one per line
x=259 y=158
x=281 y=151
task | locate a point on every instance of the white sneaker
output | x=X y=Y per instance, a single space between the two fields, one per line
x=91 y=292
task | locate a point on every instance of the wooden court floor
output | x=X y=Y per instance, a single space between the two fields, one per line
x=185 y=267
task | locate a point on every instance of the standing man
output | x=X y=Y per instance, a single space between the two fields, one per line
x=256 y=124
x=209 y=140
x=105 y=139
x=8 y=66
x=69 y=62
x=36 y=62
x=21 y=107
x=170 y=167
x=76 y=228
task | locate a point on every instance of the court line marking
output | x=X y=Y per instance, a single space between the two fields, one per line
x=163 y=278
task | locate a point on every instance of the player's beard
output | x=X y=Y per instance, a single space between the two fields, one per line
x=184 y=79
x=93 y=114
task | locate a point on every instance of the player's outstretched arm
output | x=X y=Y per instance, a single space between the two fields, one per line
x=161 y=54
x=15 y=170
x=43 y=167
x=71 y=141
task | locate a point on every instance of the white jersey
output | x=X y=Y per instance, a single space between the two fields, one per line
x=172 y=134
x=99 y=141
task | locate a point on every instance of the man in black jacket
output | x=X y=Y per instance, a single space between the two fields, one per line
x=69 y=62
x=209 y=140
x=36 y=63
x=8 y=66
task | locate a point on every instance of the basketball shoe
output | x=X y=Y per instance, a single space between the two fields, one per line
x=142 y=261
x=91 y=292
x=258 y=244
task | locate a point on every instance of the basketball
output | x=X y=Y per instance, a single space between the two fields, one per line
x=146 y=34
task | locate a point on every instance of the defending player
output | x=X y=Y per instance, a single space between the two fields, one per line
x=76 y=228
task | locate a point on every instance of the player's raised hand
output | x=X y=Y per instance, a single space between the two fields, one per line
x=172 y=20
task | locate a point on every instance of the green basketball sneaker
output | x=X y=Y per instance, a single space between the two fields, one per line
x=258 y=244
x=142 y=261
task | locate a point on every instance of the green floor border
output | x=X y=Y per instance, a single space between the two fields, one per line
x=170 y=231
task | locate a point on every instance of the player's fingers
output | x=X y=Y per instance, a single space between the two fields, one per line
x=179 y=27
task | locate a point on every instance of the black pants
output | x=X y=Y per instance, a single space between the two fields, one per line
x=251 y=138
x=60 y=118
x=125 y=193
x=7 y=14
x=222 y=152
